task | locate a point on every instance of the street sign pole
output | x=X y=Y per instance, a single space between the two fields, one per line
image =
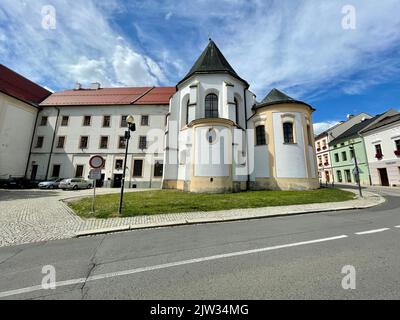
x=94 y=196
x=357 y=170
x=96 y=162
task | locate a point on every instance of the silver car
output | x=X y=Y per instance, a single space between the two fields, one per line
x=50 y=184
x=75 y=184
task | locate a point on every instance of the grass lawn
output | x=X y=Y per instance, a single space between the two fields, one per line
x=173 y=201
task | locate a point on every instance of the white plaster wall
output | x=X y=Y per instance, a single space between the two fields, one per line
x=17 y=121
x=261 y=162
x=290 y=159
x=71 y=155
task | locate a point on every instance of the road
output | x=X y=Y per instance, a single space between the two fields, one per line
x=297 y=257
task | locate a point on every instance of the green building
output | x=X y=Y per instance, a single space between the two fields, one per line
x=345 y=150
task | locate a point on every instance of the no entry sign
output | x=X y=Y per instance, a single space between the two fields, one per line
x=96 y=162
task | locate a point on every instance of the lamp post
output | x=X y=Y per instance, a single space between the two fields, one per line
x=131 y=127
x=357 y=170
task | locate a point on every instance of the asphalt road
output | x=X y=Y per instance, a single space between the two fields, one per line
x=296 y=257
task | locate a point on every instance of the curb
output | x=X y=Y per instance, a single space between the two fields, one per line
x=230 y=219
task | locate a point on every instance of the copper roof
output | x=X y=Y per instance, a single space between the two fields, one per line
x=111 y=96
x=19 y=87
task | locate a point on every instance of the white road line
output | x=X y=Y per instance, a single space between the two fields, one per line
x=372 y=231
x=165 y=265
x=397 y=226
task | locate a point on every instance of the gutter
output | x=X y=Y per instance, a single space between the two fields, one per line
x=52 y=143
x=247 y=140
x=33 y=137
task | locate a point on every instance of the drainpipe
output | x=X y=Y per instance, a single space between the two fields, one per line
x=33 y=138
x=52 y=143
x=247 y=140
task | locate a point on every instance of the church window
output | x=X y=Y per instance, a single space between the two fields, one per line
x=211 y=135
x=260 y=135
x=288 y=136
x=187 y=112
x=236 y=111
x=211 y=104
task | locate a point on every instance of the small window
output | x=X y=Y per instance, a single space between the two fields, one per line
x=103 y=142
x=260 y=135
x=79 y=171
x=211 y=135
x=339 y=176
x=106 y=121
x=144 y=121
x=310 y=137
x=348 y=175
x=378 y=149
x=87 y=121
x=83 y=143
x=336 y=157
x=119 y=164
x=142 y=142
x=121 y=142
x=60 y=142
x=397 y=144
x=43 y=121
x=56 y=171
x=344 y=156
x=39 y=142
x=137 y=168
x=64 y=121
x=288 y=132
x=187 y=112
x=236 y=111
x=158 y=169
x=211 y=106
x=352 y=155
x=124 y=124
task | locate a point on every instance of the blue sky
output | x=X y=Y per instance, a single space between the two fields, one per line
x=299 y=47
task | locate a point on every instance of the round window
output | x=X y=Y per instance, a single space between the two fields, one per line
x=211 y=135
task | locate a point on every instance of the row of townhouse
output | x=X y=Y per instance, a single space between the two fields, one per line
x=371 y=142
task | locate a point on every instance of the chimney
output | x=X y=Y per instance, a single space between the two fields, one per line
x=78 y=86
x=349 y=116
x=95 y=86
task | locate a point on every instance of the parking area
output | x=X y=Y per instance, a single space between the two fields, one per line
x=38 y=215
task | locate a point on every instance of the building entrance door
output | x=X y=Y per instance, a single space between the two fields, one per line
x=34 y=172
x=117 y=180
x=384 y=177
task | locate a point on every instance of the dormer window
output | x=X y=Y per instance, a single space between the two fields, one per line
x=211 y=104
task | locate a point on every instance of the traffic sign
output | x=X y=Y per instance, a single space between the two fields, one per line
x=95 y=174
x=96 y=162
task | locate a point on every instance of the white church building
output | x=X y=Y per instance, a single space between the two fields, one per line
x=219 y=139
x=206 y=134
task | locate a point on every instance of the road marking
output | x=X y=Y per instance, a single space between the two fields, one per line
x=397 y=226
x=372 y=231
x=165 y=266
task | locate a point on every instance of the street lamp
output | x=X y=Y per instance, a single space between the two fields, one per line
x=131 y=127
x=357 y=170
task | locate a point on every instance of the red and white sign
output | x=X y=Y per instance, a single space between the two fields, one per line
x=96 y=162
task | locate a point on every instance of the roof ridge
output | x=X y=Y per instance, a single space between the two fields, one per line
x=142 y=95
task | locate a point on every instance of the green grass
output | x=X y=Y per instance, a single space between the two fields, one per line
x=173 y=201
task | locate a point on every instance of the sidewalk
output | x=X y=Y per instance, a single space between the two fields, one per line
x=100 y=226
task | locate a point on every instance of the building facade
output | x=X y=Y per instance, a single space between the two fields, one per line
x=219 y=139
x=19 y=99
x=206 y=134
x=382 y=143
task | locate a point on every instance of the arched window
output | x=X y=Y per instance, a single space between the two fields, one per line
x=309 y=134
x=236 y=110
x=260 y=135
x=288 y=132
x=211 y=104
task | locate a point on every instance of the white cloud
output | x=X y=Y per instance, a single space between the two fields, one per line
x=84 y=46
x=320 y=127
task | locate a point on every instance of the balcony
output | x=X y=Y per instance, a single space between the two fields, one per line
x=397 y=152
x=379 y=156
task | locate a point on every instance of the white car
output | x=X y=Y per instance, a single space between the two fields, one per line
x=51 y=184
x=75 y=184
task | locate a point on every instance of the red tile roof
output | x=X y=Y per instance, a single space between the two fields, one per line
x=15 y=85
x=111 y=96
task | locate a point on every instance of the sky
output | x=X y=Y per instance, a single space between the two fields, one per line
x=340 y=60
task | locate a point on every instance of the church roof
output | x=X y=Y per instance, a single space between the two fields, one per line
x=212 y=61
x=277 y=97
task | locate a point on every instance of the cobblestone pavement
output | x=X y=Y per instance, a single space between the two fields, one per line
x=39 y=215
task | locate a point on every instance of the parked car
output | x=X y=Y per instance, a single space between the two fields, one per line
x=50 y=184
x=75 y=184
x=20 y=183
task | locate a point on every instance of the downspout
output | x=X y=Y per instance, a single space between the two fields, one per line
x=247 y=140
x=52 y=143
x=33 y=138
